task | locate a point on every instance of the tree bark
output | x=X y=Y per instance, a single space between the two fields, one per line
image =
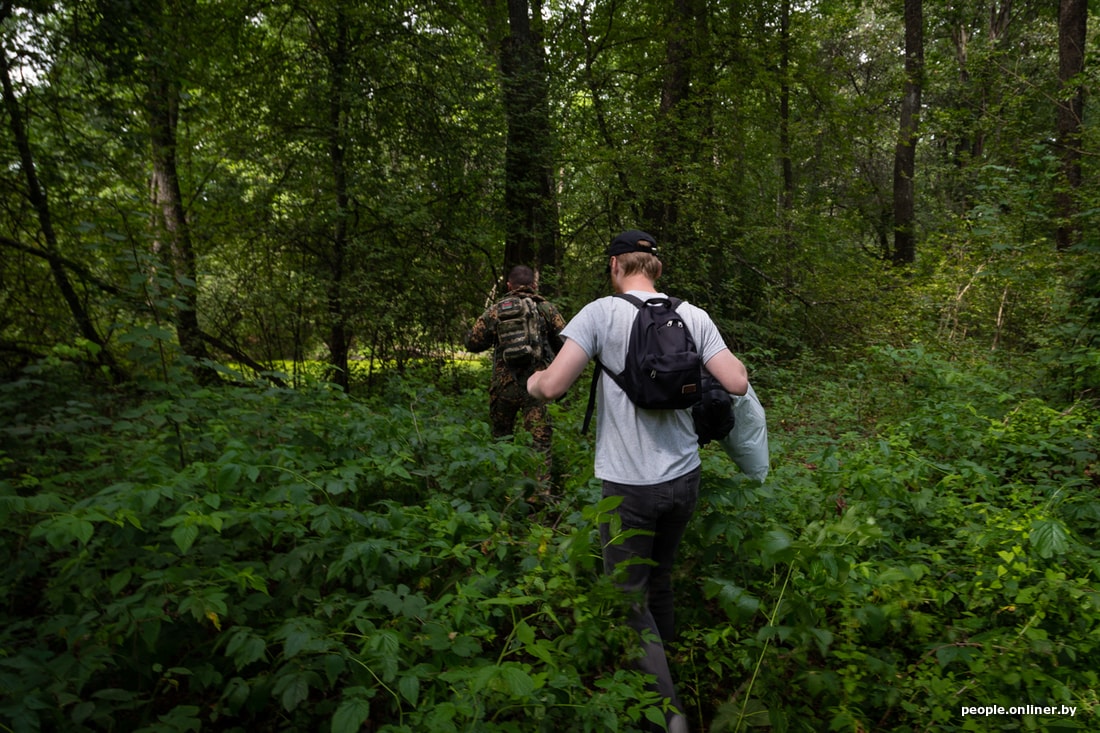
x=529 y=196
x=173 y=230
x=339 y=337
x=1072 y=20
x=37 y=196
x=161 y=70
x=661 y=207
x=786 y=195
x=905 y=250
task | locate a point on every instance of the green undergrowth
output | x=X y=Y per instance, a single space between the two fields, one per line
x=267 y=559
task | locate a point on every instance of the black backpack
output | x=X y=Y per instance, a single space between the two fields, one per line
x=519 y=332
x=663 y=369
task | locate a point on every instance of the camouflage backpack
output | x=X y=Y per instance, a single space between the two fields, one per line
x=519 y=331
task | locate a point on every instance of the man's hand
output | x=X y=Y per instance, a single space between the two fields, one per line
x=553 y=381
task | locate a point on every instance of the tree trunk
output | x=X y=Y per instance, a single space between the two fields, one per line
x=162 y=68
x=173 y=231
x=661 y=206
x=905 y=250
x=39 y=201
x=529 y=198
x=1072 y=18
x=786 y=196
x=339 y=338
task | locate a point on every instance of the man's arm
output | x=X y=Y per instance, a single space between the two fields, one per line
x=554 y=323
x=728 y=369
x=554 y=380
x=480 y=336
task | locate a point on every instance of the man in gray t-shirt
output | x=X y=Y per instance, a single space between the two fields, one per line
x=650 y=458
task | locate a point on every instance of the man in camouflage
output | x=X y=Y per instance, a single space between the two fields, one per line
x=508 y=386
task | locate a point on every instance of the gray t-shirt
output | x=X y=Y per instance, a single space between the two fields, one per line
x=636 y=446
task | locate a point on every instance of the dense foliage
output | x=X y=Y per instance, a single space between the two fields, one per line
x=243 y=482
x=259 y=558
x=256 y=178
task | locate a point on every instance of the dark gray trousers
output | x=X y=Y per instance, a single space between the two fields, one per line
x=663 y=511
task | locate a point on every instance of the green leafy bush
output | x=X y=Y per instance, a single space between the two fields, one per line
x=275 y=559
x=250 y=558
x=896 y=574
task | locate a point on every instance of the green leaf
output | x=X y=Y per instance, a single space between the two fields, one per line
x=296 y=640
x=351 y=715
x=119 y=581
x=335 y=665
x=184 y=535
x=81 y=711
x=409 y=686
x=65 y=529
x=388 y=600
x=735 y=600
x=82 y=530
x=228 y=477
x=293 y=689
x=466 y=646
x=608 y=503
x=525 y=633
x=517 y=681
x=245 y=647
x=1049 y=537
x=776 y=547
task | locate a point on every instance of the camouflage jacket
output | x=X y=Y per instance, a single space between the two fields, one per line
x=484 y=334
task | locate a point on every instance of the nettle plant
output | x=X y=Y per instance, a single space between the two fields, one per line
x=270 y=559
x=251 y=558
x=889 y=579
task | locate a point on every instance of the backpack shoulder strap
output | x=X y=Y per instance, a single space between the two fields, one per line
x=592 y=396
x=673 y=303
x=599 y=368
x=638 y=302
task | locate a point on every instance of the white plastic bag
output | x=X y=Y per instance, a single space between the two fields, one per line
x=747 y=443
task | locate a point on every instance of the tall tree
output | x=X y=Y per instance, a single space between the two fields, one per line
x=905 y=250
x=39 y=201
x=334 y=39
x=163 y=62
x=148 y=48
x=672 y=153
x=1072 y=21
x=529 y=192
x=786 y=195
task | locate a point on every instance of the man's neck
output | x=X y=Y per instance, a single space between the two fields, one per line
x=635 y=282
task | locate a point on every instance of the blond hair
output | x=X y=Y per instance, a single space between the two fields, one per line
x=633 y=263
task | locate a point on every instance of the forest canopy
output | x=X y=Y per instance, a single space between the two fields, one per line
x=242 y=182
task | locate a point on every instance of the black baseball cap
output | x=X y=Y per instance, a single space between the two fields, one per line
x=632 y=240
